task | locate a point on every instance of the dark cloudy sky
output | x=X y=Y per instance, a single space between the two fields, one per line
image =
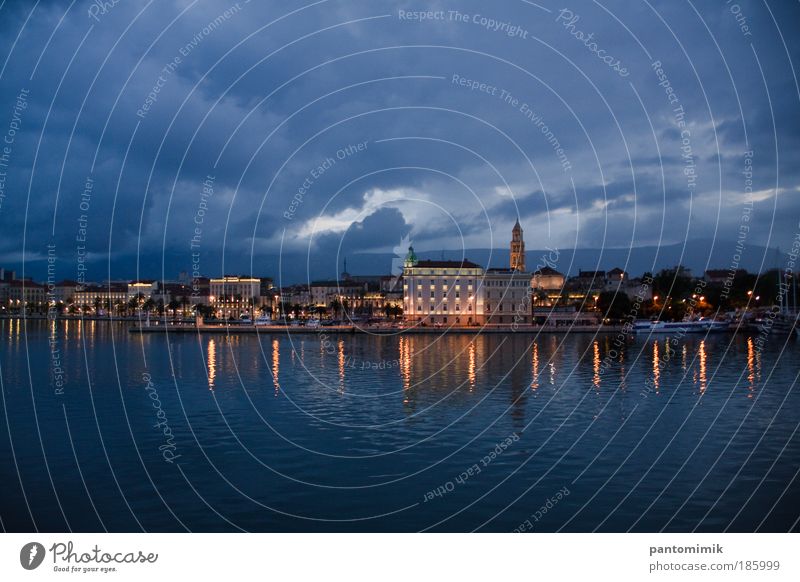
x=253 y=97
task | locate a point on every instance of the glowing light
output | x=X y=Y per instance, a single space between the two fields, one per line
x=656 y=368
x=405 y=366
x=211 y=362
x=341 y=365
x=751 y=366
x=276 y=365
x=596 y=365
x=703 y=366
x=535 y=366
x=471 y=369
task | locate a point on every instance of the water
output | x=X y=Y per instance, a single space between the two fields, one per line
x=363 y=433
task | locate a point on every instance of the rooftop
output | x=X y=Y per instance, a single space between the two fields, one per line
x=465 y=264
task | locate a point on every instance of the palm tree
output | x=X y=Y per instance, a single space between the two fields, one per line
x=336 y=306
x=184 y=303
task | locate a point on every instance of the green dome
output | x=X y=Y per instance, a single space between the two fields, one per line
x=411 y=258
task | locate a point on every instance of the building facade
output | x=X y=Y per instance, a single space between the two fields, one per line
x=463 y=293
x=27 y=296
x=100 y=298
x=442 y=292
x=234 y=296
x=506 y=297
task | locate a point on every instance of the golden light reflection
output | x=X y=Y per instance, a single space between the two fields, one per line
x=471 y=369
x=535 y=366
x=656 y=369
x=596 y=365
x=405 y=367
x=703 y=366
x=276 y=364
x=211 y=357
x=341 y=365
x=751 y=366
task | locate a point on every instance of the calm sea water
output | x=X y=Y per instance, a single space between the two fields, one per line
x=364 y=433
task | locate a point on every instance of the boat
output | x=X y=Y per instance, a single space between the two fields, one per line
x=313 y=322
x=701 y=325
x=263 y=320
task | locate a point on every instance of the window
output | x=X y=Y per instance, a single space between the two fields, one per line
x=433 y=294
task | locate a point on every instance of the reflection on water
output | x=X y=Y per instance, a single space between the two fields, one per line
x=701 y=354
x=656 y=367
x=276 y=365
x=596 y=365
x=472 y=375
x=367 y=425
x=341 y=360
x=211 y=363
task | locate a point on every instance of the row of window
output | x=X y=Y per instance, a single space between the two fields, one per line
x=513 y=283
x=442 y=307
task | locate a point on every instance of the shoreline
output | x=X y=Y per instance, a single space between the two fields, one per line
x=349 y=329
x=186 y=326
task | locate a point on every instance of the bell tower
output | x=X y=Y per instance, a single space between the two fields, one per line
x=517 y=262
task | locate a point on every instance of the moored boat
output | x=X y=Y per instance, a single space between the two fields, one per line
x=701 y=325
x=263 y=320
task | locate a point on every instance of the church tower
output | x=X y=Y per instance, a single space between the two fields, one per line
x=517 y=249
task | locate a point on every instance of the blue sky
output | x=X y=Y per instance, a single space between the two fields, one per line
x=331 y=128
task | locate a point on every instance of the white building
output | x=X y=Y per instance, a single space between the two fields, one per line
x=233 y=296
x=442 y=292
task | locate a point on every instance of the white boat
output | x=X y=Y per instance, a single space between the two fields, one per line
x=313 y=322
x=695 y=326
x=263 y=320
